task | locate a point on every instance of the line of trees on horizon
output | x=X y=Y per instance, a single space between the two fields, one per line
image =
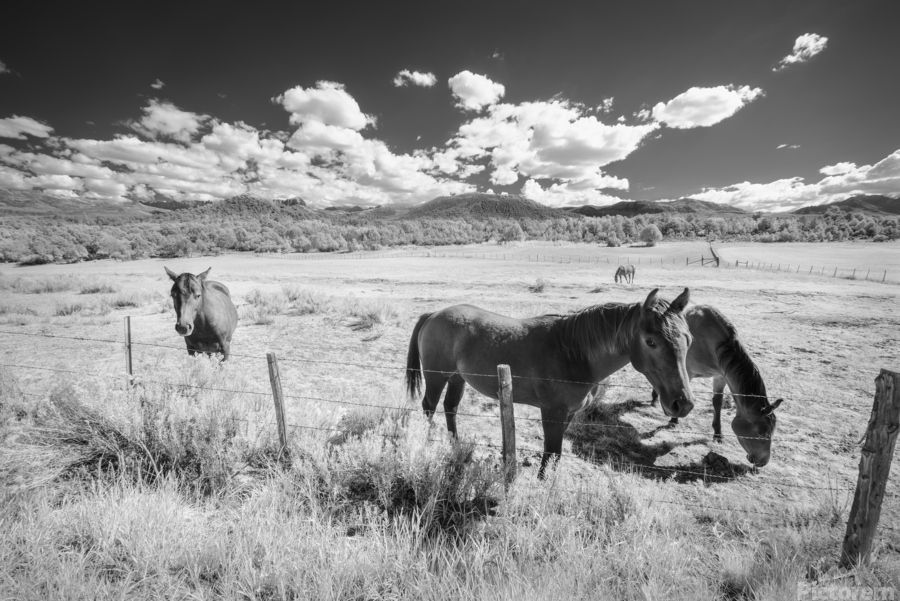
x=35 y=240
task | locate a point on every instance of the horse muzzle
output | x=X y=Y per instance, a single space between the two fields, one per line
x=758 y=460
x=678 y=407
x=184 y=329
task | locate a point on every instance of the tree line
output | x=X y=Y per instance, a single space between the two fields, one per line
x=34 y=240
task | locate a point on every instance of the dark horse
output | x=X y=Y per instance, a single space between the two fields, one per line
x=206 y=317
x=557 y=360
x=625 y=273
x=717 y=353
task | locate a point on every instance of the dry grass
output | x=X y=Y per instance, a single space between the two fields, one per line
x=173 y=491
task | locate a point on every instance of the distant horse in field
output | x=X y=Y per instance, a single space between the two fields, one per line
x=205 y=314
x=625 y=273
x=557 y=361
x=717 y=353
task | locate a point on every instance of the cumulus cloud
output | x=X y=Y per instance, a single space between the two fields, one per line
x=326 y=159
x=787 y=147
x=163 y=120
x=17 y=128
x=474 y=91
x=702 y=107
x=838 y=168
x=555 y=141
x=806 y=46
x=840 y=181
x=328 y=104
x=416 y=78
x=158 y=84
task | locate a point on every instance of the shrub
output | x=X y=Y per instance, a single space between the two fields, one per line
x=650 y=235
x=66 y=309
x=262 y=307
x=98 y=289
x=538 y=286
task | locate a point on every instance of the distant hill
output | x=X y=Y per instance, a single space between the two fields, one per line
x=482 y=206
x=246 y=205
x=877 y=205
x=630 y=208
x=34 y=202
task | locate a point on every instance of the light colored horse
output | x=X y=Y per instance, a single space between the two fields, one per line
x=717 y=353
x=556 y=361
x=205 y=314
x=625 y=273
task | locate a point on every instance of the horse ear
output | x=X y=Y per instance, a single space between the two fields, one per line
x=651 y=298
x=171 y=273
x=680 y=302
x=203 y=275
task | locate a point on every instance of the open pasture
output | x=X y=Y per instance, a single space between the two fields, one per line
x=674 y=525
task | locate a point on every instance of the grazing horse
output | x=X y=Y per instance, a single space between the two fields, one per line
x=205 y=315
x=625 y=273
x=717 y=353
x=557 y=360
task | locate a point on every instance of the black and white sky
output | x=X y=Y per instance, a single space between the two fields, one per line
x=764 y=105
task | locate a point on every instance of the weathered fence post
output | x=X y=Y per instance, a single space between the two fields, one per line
x=884 y=276
x=275 y=380
x=853 y=276
x=874 y=467
x=129 y=374
x=508 y=423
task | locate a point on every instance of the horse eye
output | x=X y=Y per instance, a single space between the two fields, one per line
x=650 y=343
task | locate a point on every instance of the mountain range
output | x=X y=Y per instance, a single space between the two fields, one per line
x=463 y=206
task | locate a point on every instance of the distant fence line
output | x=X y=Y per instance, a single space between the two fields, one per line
x=849 y=273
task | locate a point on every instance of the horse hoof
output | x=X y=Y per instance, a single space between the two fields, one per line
x=717 y=438
x=673 y=421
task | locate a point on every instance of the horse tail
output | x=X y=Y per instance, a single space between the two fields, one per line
x=413 y=365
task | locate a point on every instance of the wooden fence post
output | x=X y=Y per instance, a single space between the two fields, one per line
x=835 y=273
x=129 y=374
x=275 y=380
x=874 y=467
x=508 y=423
x=884 y=276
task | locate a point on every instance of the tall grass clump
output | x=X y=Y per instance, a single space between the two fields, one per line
x=263 y=307
x=41 y=285
x=98 y=288
x=539 y=285
x=366 y=314
x=67 y=309
x=305 y=302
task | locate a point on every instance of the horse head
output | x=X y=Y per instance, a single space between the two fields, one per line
x=187 y=295
x=659 y=351
x=754 y=431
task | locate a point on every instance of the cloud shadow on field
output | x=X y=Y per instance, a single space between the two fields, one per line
x=600 y=435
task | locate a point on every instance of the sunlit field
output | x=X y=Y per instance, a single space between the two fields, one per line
x=175 y=487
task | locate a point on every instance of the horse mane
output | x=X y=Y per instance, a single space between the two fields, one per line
x=600 y=328
x=737 y=366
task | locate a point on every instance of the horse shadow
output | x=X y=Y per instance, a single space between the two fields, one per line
x=599 y=435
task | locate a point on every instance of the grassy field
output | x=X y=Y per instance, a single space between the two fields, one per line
x=175 y=489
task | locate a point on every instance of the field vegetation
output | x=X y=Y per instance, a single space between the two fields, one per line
x=245 y=224
x=177 y=487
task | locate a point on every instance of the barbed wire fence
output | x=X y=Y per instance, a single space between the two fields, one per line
x=520 y=453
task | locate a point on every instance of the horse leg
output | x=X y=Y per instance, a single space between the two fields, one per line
x=434 y=384
x=718 y=388
x=191 y=349
x=455 y=388
x=225 y=346
x=554 y=422
x=654 y=398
